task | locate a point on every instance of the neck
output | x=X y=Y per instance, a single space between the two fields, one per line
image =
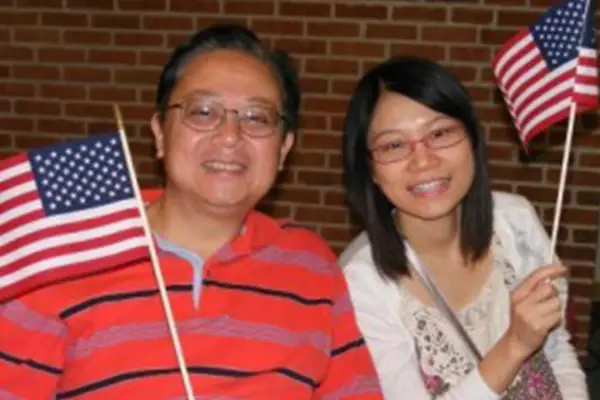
x=179 y=219
x=432 y=239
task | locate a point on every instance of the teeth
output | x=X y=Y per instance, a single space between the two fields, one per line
x=429 y=186
x=223 y=166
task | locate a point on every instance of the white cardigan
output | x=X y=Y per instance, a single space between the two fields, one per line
x=525 y=245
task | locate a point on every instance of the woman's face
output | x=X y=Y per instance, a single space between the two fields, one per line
x=422 y=160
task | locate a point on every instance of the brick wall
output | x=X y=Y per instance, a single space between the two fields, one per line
x=64 y=62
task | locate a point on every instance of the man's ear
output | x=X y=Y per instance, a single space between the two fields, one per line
x=159 y=136
x=286 y=146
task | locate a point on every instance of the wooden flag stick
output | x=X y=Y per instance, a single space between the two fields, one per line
x=154 y=258
x=563 y=179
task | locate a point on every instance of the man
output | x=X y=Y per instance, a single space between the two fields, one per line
x=262 y=309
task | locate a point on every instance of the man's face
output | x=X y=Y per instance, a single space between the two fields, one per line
x=225 y=169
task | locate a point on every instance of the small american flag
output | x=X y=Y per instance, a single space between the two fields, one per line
x=66 y=210
x=545 y=68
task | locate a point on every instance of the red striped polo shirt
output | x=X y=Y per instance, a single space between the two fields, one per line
x=275 y=322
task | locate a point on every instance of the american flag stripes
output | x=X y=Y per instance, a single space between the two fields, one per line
x=66 y=210
x=548 y=66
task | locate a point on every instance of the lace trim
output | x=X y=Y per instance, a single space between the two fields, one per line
x=440 y=351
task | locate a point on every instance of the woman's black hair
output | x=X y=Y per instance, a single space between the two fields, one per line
x=432 y=85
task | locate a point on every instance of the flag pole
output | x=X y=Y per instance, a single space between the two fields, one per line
x=563 y=178
x=154 y=258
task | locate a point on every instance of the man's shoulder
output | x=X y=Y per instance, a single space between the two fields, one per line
x=289 y=234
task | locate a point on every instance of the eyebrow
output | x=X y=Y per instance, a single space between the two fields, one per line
x=377 y=134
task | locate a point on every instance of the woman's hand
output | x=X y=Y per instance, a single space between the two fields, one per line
x=535 y=311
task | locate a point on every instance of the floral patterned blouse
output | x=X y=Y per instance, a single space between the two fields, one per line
x=416 y=351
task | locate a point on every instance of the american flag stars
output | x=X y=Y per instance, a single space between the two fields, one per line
x=83 y=176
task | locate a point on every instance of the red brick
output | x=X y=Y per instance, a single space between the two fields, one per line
x=15 y=18
x=581 y=271
x=5 y=106
x=325 y=104
x=433 y=52
x=574 y=216
x=61 y=55
x=30 y=141
x=141 y=5
x=471 y=53
x=540 y=194
x=358 y=49
x=205 y=21
x=174 y=40
x=256 y=7
x=6 y=141
x=313 y=85
x=137 y=76
x=167 y=23
x=301 y=46
x=87 y=37
x=305 y=9
x=338 y=234
x=465 y=73
x=17 y=89
x=320 y=141
x=318 y=214
x=275 y=27
x=90 y=4
x=306 y=159
x=516 y=18
x=110 y=93
x=343 y=86
x=585 y=236
x=86 y=74
x=62 y=91
x=60 y=126
x=449 y=34
x=14 y=123
x=509 y=2
x=37 y=72
x=204 y=6
x=301 y=195
x=344 y=29
x=495 y=36
x=361 y=11
x=515 y=173
x=15 y=53
x=120 y=21
x=66 y=19
x=312 y=121
x=335 y=198
x=88 y=110
x=139 y=39
x=137 y=112
x=477 y=16
x=36 y=35
x=35 y=107
x=391 y=31
x=148 y=57
x=419 y=13
x=331 y=66
x=112 y=56
x=579 y=178
x=38 y=3
x=587 y=198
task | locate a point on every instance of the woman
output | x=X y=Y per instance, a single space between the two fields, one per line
x=415 y=170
